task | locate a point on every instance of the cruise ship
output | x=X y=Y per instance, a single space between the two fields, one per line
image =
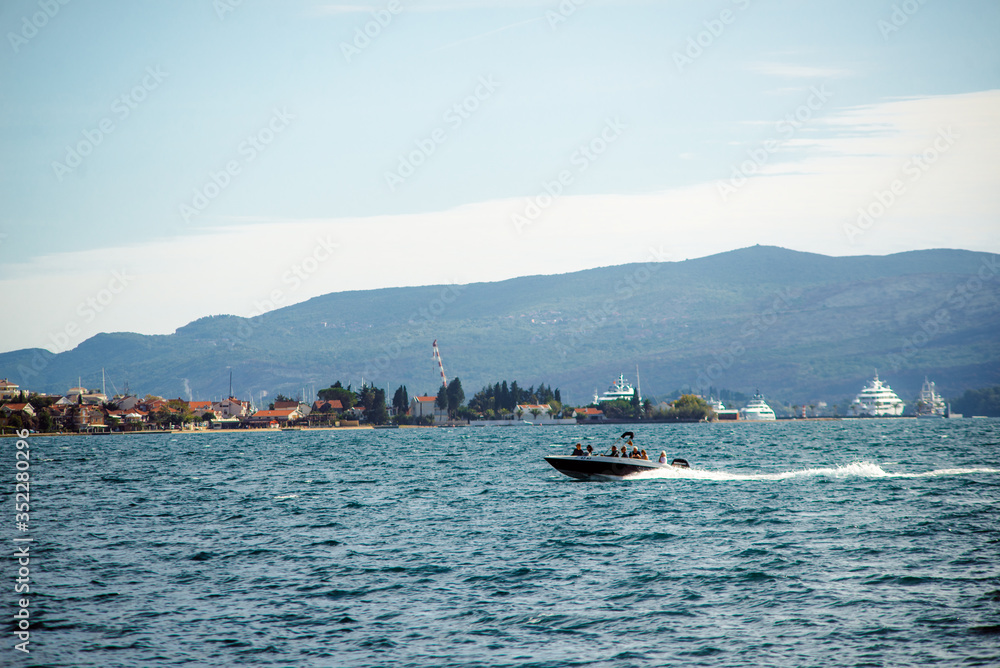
x=878 y=400
x=930 y=404
x=757 y=409
x=620 y=389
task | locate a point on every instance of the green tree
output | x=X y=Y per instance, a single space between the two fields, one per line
x=338 y=392
x=441 y=402
x=689 y=408
x=162 y=417
x=377 y=413
x=183 y=413
x=14 y=422
x=456 y=396
x=401 y=401
x=985 y=401
x=45 y=421
x=466 y=413
x=367 y=397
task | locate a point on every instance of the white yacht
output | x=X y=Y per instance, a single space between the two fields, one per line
x=757 y=409
x=930 y=404
x=878 y=400
x=620 y=389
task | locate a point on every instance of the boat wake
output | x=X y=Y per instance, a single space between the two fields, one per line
x=855 y=470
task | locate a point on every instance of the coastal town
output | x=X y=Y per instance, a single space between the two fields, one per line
x=85 y=410
x=92 y=411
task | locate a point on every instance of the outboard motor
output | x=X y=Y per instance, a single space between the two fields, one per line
x=680 y=463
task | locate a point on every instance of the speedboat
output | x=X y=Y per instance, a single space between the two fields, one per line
x=606 y=467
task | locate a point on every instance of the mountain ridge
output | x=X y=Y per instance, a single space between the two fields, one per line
x=797 y=325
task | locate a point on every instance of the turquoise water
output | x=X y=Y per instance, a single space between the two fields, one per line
x=854 y=543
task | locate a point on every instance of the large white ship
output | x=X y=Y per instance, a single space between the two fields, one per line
x=757 y=409
x=878 y=400
x=620 y=389
x=930 y=404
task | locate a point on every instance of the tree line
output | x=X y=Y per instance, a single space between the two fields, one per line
x=501 y=397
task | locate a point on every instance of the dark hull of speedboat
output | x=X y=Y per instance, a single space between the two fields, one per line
x=588 y=468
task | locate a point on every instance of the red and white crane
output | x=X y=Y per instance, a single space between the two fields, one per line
x=437 y=356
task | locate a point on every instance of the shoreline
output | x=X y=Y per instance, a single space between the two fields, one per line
x=447 y=426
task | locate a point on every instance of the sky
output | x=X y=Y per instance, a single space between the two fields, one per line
x=165 y=161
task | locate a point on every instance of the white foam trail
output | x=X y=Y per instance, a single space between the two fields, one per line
x=856 y=469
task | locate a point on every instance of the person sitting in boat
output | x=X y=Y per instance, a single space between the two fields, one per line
x=663 y=457
x=642 y=455
x=635 y=453
x=614 y=451
x=590 y=450
x=578 y=452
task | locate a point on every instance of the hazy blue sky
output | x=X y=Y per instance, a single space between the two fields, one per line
x=163 y=161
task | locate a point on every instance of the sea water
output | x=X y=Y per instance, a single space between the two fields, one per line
x=800 y=543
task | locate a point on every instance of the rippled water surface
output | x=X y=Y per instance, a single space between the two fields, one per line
x=853 y=543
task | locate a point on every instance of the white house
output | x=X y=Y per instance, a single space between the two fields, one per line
x=231 y=407
x=8 y=390
x=424 y=406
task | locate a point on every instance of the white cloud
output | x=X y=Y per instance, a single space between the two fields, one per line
x=804 y=203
